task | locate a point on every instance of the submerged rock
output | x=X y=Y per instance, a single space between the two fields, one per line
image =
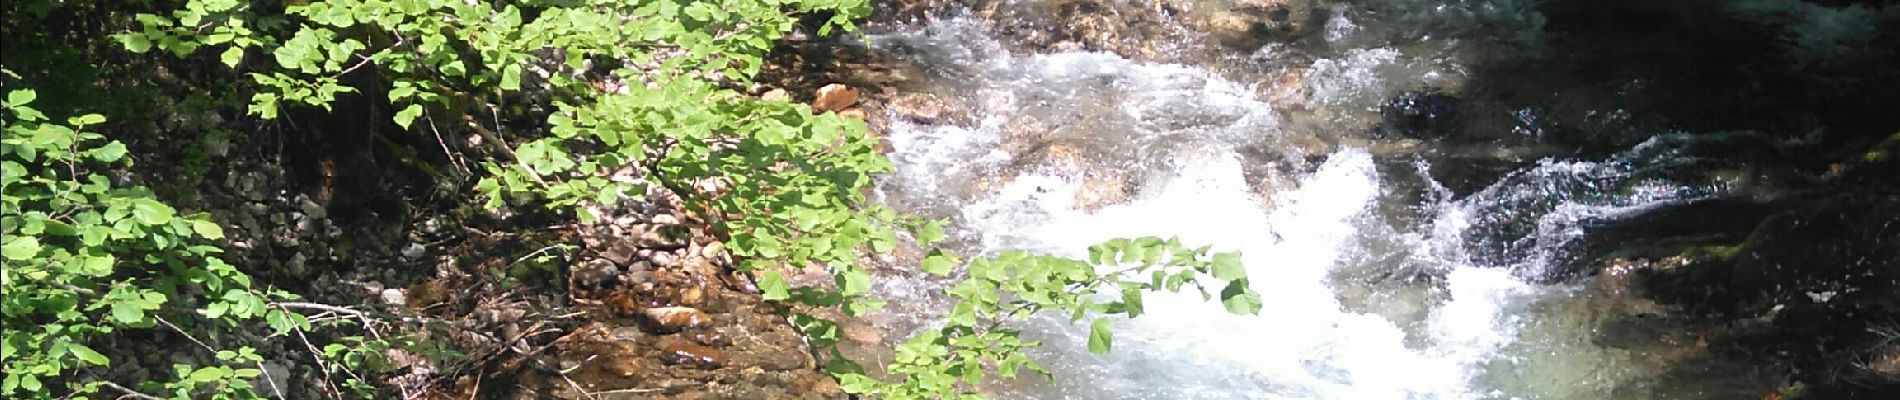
x=677 y=351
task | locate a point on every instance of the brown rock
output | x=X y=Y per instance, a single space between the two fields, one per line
x=775 y=94
x=674 y=319
x=834 y=97
x=853 y=112
x=1098 y=192
x=677 y=351
x=862 y=333
x=620 y=253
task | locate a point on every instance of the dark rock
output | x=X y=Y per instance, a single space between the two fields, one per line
x=1847 y=245
x=620 y=252
x=677 y=351
x=1419 y=115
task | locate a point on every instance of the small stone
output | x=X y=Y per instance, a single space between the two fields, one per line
x=393 y=297
x=637 y=273
x=853 y=113
x=775 y=94
x=711 y=338
x=835 y=97
x=674 y=319
x=663 y=258
x=414 y=251
x=295 y=266
x=621 y=252
x=666 y=219
x=625 y=334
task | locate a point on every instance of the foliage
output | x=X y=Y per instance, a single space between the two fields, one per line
x=617 y=85
x=85 y=257
x=951 y=360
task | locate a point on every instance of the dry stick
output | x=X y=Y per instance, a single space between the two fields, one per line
x=631 y=390
x=337 y=393
x=214 y=351
x=322 y=307
x=128 y=392
x=461 y=163
x=495 y=140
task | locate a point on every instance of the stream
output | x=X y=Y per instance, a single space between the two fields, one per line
x=1379 y=281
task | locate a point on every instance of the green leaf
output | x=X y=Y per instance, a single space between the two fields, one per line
x=1099 y=337
x=88 y=356
x=936 y=263
x=20 y=248
x=930 y=233
x=151 y=212
x=773 y=285
x=232 y=56
x=21 y=97
x=136 y=42
x=88 y=119
x=1131 y=301
x=408 y=115
x=1239 y=299
x=111 y=152
x=207 y=374
x=854 y=282
x=207 y=229
x=511 y=77
x=1227 y=267
x=127 y=313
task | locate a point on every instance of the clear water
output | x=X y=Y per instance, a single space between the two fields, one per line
x=1377 y=284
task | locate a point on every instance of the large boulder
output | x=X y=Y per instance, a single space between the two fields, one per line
x=1843 y=249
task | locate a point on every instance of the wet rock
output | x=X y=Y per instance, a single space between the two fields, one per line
x=1845 y=248
x=711 y=338
x=677 y=351
x=1097 y=192
x=834 y=97
x=1249 y=24
x=674 y=319
x=926 y=109
x=1418 y=115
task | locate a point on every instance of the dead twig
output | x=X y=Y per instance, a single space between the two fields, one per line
x=128 y=392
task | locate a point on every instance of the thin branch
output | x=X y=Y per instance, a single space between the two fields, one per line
x=207 y=347
x=320 y=307
x=128 y=392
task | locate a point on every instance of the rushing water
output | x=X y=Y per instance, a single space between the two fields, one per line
x=1378 y=283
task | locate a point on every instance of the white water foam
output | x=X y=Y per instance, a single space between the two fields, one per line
x=1178 y=129
x=1302 y=345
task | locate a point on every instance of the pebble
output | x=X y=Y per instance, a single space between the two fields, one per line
x=393 y=297
x=414 y=251
x=674 y=319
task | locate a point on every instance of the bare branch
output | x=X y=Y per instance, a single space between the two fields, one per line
x=128 y=392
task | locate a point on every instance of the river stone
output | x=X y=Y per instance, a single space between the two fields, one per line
x=620 y=252
x=674 y=319
x=678 y=351
x=834 y=97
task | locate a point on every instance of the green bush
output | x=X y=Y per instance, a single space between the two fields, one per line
x=793 y=182
x=85 y=257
